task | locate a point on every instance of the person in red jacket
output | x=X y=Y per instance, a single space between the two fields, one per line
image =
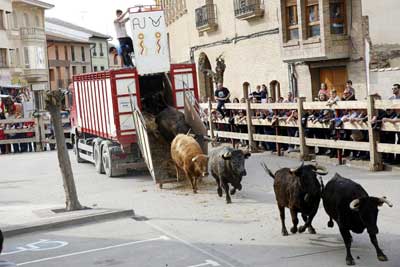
x=29 y=125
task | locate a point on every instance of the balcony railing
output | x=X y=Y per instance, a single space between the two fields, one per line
x=206 y=18
x=248 y=9
x=32 y=33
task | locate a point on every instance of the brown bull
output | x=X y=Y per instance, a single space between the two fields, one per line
x=188 y=157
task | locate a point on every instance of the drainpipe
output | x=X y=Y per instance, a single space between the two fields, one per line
x=90 y=54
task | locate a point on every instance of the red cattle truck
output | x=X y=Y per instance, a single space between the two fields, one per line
x=108 y=128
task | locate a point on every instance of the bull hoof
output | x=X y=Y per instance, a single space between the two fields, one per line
x=312 y=231
x=219 y=191
x=382 y=257
x=302 y=229
x=330 y=224
x=284 y=232
x=195 y=191
x=293 y=230
x=350 y=261
x=228 y=201
x=233 y=191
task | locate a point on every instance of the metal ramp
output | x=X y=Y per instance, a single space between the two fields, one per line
x=156 y=151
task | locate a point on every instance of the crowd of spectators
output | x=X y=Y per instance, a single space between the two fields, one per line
x=333 y=121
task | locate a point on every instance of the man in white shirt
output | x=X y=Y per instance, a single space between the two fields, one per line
x=125 y=41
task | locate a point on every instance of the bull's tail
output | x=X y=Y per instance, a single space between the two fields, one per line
x=330 y=223
x=268 y=171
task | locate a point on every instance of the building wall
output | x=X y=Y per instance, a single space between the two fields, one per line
x=65 y=63
x=99 y=54
x=27 y=33
x=255 y=60
x=5 y=44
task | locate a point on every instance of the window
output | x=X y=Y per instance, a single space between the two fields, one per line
x=17 y=58
x=101 y=50
x=3 y=58
x=37 y=20
x=66 y=52
x=73 y=70
x=26 y=57
x=95 y=50
x=337 y=9
x=83 y=69
x=51 y=74
x=95 y=68
x=102 y=68
x=312 y=17
x=2 y=26
x=73 y=53
x=26 y=20
x=13 y=57
x=292 y=23
x=57 y=53
x=15 y=20
x=83 y=53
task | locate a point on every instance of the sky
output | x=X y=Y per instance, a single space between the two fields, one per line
x=96 y=15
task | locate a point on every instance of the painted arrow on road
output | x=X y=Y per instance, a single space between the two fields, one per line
x=207 y=263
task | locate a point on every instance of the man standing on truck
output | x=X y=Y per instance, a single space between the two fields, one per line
x=125 y=41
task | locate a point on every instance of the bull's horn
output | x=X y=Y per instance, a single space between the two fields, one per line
x=321 y=170
x=384 y=200
x=206 y=138
x=354 y=204
x=298 y=168
x=227 y=155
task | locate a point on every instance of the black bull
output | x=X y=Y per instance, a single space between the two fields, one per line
x=299 y=190
x=346 y=202
x=227 y=167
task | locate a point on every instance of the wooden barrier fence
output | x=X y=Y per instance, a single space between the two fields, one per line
x=374 y=146
x=40 y=127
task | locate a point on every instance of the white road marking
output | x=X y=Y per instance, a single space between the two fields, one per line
x=41 y=245
x=93 y=250
x=190 y=245
x=207 y=263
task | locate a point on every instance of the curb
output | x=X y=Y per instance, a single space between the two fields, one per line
x=60 y=223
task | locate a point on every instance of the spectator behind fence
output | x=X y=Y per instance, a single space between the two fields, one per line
x=333 y=99
x=396 y=92
x=264 y=93
x=257 y=94
x=290 y=98
x=323 y=89
x=222 y=95
x=349 y=87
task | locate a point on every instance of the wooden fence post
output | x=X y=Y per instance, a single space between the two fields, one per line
x=38 y=134
x=375 y=157
x=210 y=122
x=304 y=152
x=250 y=130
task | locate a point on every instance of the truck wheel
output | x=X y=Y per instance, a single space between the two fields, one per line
x=98 y=161
x=78 y=158
x=106 y=159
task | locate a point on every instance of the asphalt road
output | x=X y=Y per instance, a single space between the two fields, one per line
x=124 y=242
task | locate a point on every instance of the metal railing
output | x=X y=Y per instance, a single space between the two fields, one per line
x=32 y=33
x=244 y=8
x=206 y=16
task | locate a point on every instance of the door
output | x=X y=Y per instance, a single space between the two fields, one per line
x=143 y=141
x=335 y=78
x=183 y=78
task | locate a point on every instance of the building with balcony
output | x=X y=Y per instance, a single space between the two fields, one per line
x=289 y=45
x=73 y=50
x=26 y=57
x=244 y=32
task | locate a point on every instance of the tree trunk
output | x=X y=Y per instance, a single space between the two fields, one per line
x=54 y=107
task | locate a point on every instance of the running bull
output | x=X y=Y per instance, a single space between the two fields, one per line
x=346 y=202
x=299 y=190
x=227 y=165
x=188 y=157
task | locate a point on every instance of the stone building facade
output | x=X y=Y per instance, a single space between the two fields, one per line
x=289 y=45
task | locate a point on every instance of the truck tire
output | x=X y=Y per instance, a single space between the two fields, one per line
x=106 y=160
x=97 y=156
x=78 y=158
